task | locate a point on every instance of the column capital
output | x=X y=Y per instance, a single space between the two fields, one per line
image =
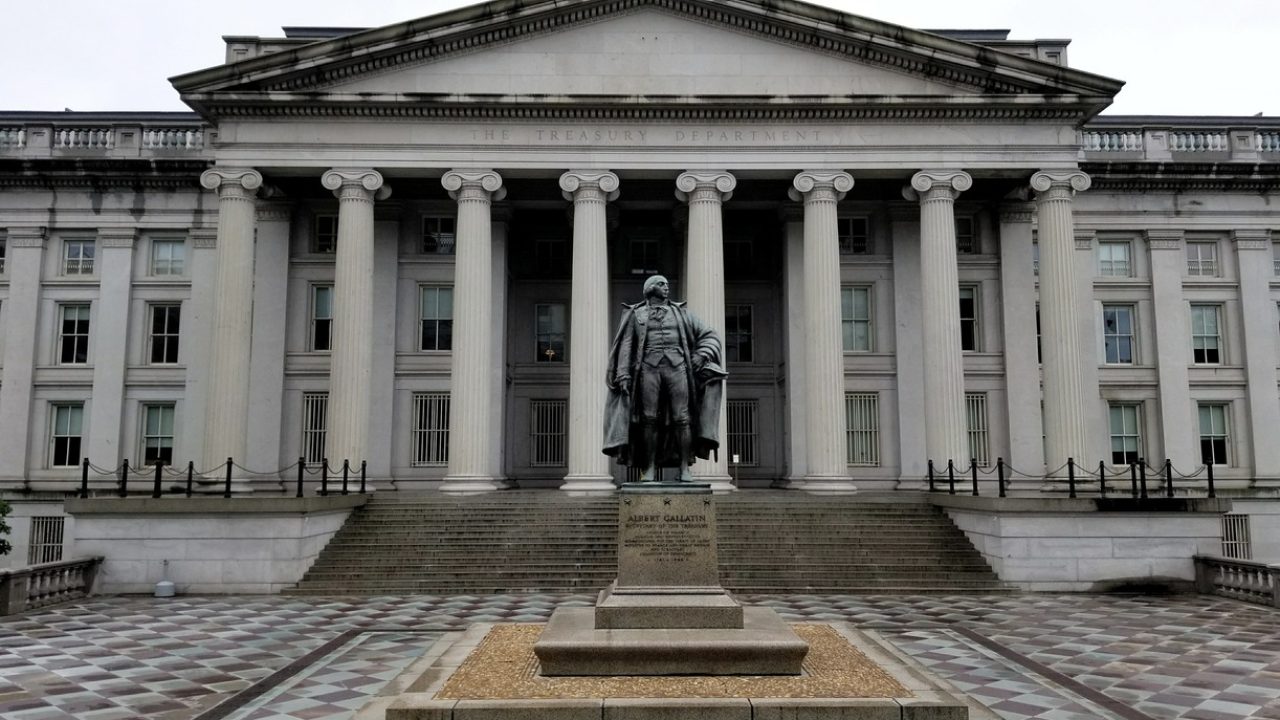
x=232 y=181
x=1164 y=239
x=473 y=185
x=953 y=182
x=29 y=236
x=575 y=182
x=817 y=184
x=1064 y=183
x=362 y=182
x=705 y=185
x=1251 y=238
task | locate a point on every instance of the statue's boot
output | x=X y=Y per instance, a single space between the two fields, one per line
x=685 y=436
x=650 y=473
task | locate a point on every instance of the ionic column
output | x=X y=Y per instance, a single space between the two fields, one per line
x=352 y=353
x=589 y=316
x=227 y=404
x=110 y=337
x=1179 y=440
x=471 y=441
x=1065 y=394
x=944 y=420
x=826 y=463
x=706 y=192
x=22 y=266
x=793 y=330
x=1022 y=368
x=1253 y=248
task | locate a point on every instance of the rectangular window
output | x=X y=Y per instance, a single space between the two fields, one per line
x=73 y=334
x=1206 y=338
x=966 y=236
x=157 y=434
x=44 y=544
x=1113 y=259
x=855 y=318
x=979 y=438
x=855 y=236
x=321 y=318
x=1039 y=352
x=1214 y=434
x=738 y=334
x=550 y=323
x=431 y=429
x=740 y=426
x=1275 y=257
x=439 y=235
x=969 y=319
x=1236 y=541
x=862 y=429
x=326 y=237
x=643 y=254
x=77 y=258
x=1202 y=259
x=64 y=443
x=435 y=316
x=1126 y=433
x=168 y=257
x=4 y=243
x=315 y=424
x=1117 y=334
x=547 y=433
x=1035 y=258
x=163 y=338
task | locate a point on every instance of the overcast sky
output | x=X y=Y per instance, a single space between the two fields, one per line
x=1179 y=57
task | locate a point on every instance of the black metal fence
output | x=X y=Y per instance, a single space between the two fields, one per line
x=1143 y=480
x=332 y=480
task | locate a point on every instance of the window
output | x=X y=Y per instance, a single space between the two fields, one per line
x=157 y=434
x=321 y=318
x=547 y=433
x=1206 y=340
x=65 y=440
x=4 y=242
x=164 y=334
x=1113 y=259
x=855 y=236
x=855 y=318
x=740 y=427
x=77 y=258
x=1117 y=334
x=436 y=318
x=73 y=336
x=966 y=237
x=315 y=424
x=1035 y=258
x=439 y=235
x=1126 y=434
x=1275 y=257
x=1235 y=536
x=431 y=429
x=737 y=335
x=44 y=544
x=326 y=237
x=1202 y=259
x=862 y=429
x=1214 y=435
x=550 y=327
x=643 y=254
x=969 y=319
x=168 y=257
x=975 y=405
x=1039 y=352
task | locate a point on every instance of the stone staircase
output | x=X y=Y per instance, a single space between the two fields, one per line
x=522 y=541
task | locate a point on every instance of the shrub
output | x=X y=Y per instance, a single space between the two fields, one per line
x=5 y=547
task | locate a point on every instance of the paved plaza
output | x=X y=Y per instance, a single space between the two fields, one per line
x=1057 y=657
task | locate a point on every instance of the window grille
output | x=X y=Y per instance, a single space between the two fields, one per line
x=855 y=236
x=165 y=321
x=979 y=439
x=436 y=318
x=1206 y=337
x=326 y=237
x=1275 y=257
x=168 y=257
x=1113 y=259
x=45 y=541
x=431 y=429
x=439 y=235
x=65 y=437
x=315 y=424
x=738 y=334
x=740 y=426
x=78 y=257
x=969 y=319
x=855 y=319
x=1214 y=434
x=966 y=237
x=73 y=337
x=1235 y=536
x=4 y=243
x=862 y=429
x=1117 y=334
x=157 y=434
x=1126 y=433
x=550 y=322
x=1202 y=259
x=321 y=318
x=1035 y=258
x=547 y=432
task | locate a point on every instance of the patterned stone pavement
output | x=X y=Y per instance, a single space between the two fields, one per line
x=1056 y=657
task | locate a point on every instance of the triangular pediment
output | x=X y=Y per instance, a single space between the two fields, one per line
x=640 y=52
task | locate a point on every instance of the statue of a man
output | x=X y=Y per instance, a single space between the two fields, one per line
x=665 y=379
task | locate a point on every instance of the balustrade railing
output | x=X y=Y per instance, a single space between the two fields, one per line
x=1199 y=141
x=172 y=139
x=113 y=135
x=46 y=584
x=1245 y=580
x=83 y=139
x=1111 y=140
x=1231 y=141
x=1268 y=141
x=12 y=137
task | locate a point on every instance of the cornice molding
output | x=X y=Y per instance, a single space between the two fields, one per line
x=27 y=236
x=1164 y=238
x=1251 y=238
x=203 y=238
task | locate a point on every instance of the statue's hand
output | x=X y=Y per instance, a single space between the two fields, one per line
x=698 y=361
x=623 y=384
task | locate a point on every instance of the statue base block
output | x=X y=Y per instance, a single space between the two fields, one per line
x=641 y=608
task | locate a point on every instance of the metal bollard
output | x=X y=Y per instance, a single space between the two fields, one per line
x=1168 y=477
x=302 y=470
x=1133 y=479
x=324 y=477
x=973 y=470
x=363 y=463
x=191 y=471
x=951 y=477
x=931 y=487
x=1142 y=478
x=226 y=490
x=1071 y=477
x=1209 y=470
x=1000 y=475
x=155 y=489
x=84 y=478
x=1102 y=478
x=346 y=468
x=124 y=478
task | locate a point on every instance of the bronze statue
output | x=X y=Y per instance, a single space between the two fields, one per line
x=665 y=379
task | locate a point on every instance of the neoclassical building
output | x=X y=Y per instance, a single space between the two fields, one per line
x=408 y=246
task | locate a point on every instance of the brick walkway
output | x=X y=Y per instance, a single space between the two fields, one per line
x=272 y=658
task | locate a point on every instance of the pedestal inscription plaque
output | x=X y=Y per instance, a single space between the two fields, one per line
x=667 y=540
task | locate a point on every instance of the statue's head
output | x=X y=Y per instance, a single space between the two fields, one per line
x=651 y=285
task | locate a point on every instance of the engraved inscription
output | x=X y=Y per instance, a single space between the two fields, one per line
x=587 y=135
x=667 y=538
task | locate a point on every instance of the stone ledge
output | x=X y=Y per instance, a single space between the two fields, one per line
x=1056 y=505
x=213 y=505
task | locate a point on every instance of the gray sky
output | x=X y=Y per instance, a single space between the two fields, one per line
x=1179 y=57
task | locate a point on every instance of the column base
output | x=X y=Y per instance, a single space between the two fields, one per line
x=788 y=483
x=588 y=485
x=471 y=485
x=912 y=485
x=830 y=485
x=720 y=484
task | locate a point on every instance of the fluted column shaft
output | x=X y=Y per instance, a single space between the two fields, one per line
x=1065 y=419
x=706 y=193
x=227 y=408
x=589 y=316
x=826 y=461
x=471 y=442
x=352 y=350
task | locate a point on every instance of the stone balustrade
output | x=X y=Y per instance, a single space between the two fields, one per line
x=12 y=137
x=173 y=138
x=46 y=584
x=1107 y=140
x=99 y=135
x=1244 y=580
